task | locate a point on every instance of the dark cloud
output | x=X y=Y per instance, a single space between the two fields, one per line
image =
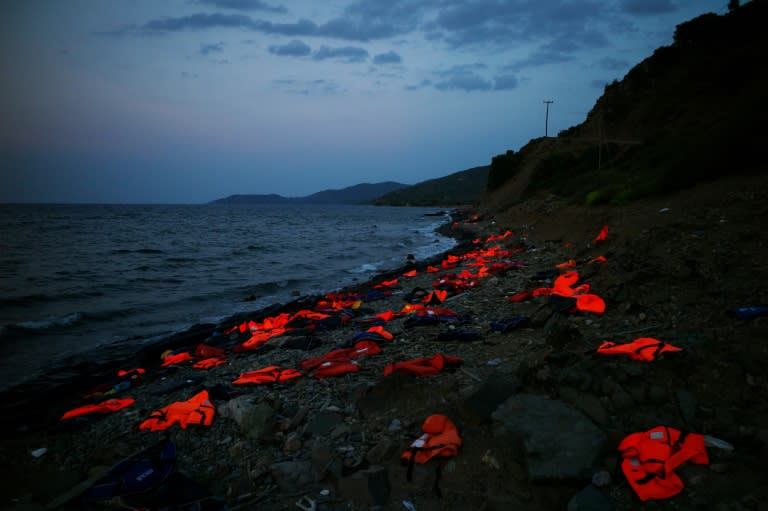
x=346 y=53
x=207 y=49
x=318 y=87
x=503 y=23
x=540 y=58
x=612 y=64
x=647 y=7
x=244 y=5
x=462 y=77
x=505 y=82
x=421 y=85
x=387 y=58
x=294 y=48
x=205 y=21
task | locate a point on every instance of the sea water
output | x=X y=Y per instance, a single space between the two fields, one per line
x=94 y=279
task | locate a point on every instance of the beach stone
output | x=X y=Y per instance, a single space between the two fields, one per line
x=559 y=441
x=479 y=405
x=323 y=423
x=292 y=442
x=587 y=403
x=687 y=404
x=381 y=451
x=638 y=391
x=370 y=486
x=256 y=420
x=621 y=400
x=558 y=331
x=291 y=476
x=590 y=499
x=657 y=394
x=325 y=461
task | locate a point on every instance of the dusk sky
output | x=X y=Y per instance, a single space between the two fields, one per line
x=186 y=101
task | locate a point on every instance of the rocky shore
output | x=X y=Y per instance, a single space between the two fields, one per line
x=540 y=414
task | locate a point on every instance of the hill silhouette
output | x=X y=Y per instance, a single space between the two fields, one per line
x=687 y=114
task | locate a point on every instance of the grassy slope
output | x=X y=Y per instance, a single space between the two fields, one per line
x=693 y=109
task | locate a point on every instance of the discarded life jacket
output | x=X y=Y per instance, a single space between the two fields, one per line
x=440 y=440
x=602 y=235
x=196 y=410
x=208 y=363
x=203 y=350
x=649 y=459
x=108 y=406
x=360 y=349
x=336 y=368
x=646 y=349
x=423 y=366
x=176 y=358
x=584 y=301
x=269 y=374
x=435 y=297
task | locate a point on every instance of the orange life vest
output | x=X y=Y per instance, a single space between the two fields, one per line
x=108 y=406
x=602 y=235
x=360 y=349
x=177 y=358
x=336 y=368
x=269 y=374
x=196 y=410
x=440 y=439
x=646 y=349
x=648 y=460
x=203 y=350
x=208 y=363
x=423 y=366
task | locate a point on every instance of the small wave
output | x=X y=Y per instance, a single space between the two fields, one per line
x=137 y=251
x=44 y=298
x=48 y=323
x=366 y=268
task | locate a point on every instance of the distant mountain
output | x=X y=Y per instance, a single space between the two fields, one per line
x=358 y=194
x=463 y=187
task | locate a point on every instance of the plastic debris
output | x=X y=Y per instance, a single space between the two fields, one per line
x=38 y=452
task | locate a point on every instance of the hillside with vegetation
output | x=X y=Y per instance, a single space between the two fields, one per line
x=459 y=188
x=689 y=113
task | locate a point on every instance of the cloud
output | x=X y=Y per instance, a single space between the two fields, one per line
x=420 y=85
x=647 y=7
x=346 y=53
x=320 y=87
x=207 y=49
x=203 y=21
x=505 y=82
x=387 y=58
x=244 y=5
x=540 y=58
x=502 y=23
x=462 y=77
x=294 y=48
x=599 y=84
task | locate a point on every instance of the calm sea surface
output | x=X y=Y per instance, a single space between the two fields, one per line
x=79 y=279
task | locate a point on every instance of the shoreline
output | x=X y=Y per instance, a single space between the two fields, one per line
x=25 y=398
x=669 y=274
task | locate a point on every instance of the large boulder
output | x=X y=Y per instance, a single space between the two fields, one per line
x=558 y=441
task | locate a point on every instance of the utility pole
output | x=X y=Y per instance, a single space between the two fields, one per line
x=546 y=117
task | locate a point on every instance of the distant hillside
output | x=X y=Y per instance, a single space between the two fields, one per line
x=357 y=194
x=692 y=111
x=464 y=187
